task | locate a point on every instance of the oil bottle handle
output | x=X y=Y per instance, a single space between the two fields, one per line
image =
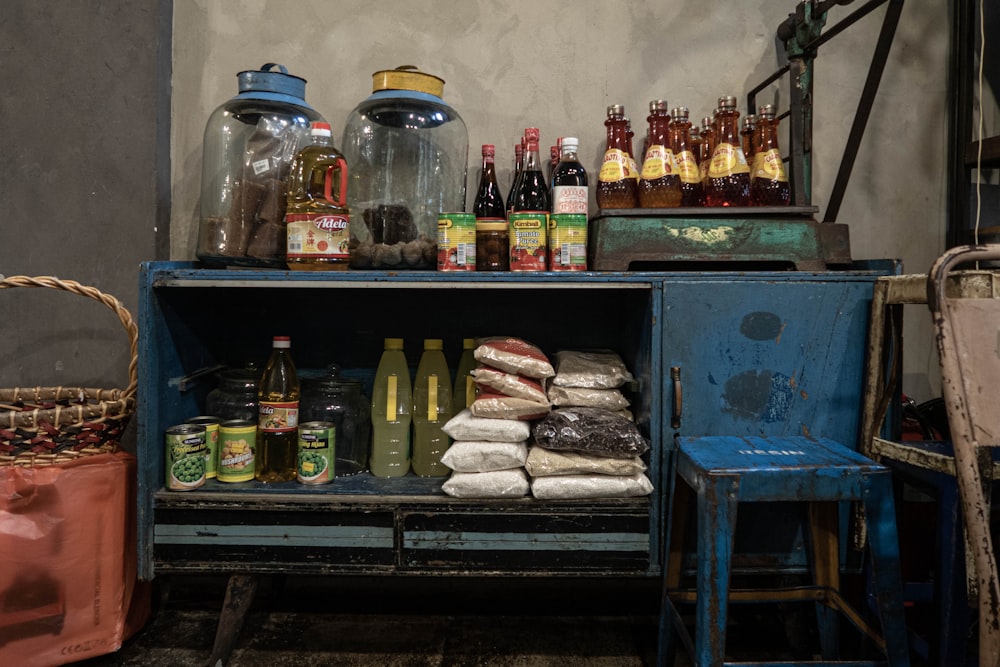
x=341 y=200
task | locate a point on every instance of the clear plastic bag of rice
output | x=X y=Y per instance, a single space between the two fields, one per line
x=511 y=483
x=596 y=369
x=543 y=462
x=484 y=456
x=590 y=486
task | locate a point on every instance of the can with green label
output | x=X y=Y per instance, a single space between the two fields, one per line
x=237 y=445
x=316 y=456
x=456 y=242
x=567 y=242
x=185 y=457
x=211 y=425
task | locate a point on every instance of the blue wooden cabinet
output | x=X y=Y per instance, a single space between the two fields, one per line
x=762 y=353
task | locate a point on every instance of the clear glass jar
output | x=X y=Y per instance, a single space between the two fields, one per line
x=247 y=153
x=340 y=400
x=235 y=395
x=407 y=153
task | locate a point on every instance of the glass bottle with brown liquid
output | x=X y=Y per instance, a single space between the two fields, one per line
x=685 y=157
x=728 y=180
x=489 y=201
x=748 y=137
x=615 y=187
x=278 y=425
x=518 y=168
x=659 y=183
x=708 y=135
x=769 y=183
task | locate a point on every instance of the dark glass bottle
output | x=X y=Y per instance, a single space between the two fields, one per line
x=685 y=157
x=769 y=182
x=728 y=180
x=518 y=170
x=569 y=181
x=659 y=184
x=532 y=192
x=615 y=187
x=489 y=202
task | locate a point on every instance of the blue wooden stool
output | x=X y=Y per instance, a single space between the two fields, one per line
x=724 y=471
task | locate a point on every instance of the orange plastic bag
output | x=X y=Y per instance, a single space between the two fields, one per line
x=68 y=552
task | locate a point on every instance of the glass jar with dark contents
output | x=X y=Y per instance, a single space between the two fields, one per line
x=235 y=396
x=492 y=246
x=340 y=400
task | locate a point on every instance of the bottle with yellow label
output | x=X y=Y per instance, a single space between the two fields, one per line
x=659 y=183
x=317 y=220
x=431 y=411
x=277 y=427
x=769 y=182
x=728 y=179
x=463 y=392
x=391 y=413
x=685 y=149
x=616 y=188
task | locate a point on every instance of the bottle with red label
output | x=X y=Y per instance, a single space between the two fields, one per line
x=728 y=179
x=317 y=219
x=659 y=183
x=278 y=406
x=529 y=216
x=769 y=182
x=616 y=187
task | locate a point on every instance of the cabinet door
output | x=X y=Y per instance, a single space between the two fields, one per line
x=767 y=357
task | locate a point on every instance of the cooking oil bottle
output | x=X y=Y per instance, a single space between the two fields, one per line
x=277 y=428
x=463 y=392
x=317 y=219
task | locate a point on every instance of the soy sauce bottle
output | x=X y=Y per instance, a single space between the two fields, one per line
x=489 y=201
x=569 y=180
x=728 y=179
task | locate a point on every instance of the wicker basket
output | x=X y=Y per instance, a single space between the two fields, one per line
x=50 y=425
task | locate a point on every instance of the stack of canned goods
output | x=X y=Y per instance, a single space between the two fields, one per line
x=205 y=448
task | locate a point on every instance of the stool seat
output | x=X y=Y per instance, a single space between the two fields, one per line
x=724 y=471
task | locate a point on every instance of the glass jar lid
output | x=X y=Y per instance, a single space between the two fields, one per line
x=407 y=77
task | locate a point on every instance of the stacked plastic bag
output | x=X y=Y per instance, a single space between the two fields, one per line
x=588 y=446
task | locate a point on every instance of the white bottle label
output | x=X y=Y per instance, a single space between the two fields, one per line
x=570 y=199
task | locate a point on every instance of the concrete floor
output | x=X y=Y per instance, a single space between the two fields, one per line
x=411 y=622
x=439 y=622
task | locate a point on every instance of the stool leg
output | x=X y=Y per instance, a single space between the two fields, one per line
x=718 y=500
x=883 y=543
x=668 y=635
x=951 y=591
x=825 y=545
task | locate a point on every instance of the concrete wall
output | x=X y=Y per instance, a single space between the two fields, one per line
x=84 y=176
x=86 y=191
x=558 y=66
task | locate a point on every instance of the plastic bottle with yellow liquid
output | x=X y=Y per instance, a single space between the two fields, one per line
x=391 y=413
x=463 y=392
x=431 y=411
x=317 y=220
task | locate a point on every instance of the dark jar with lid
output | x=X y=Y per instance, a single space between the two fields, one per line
x=235 y=395
x=340 y=400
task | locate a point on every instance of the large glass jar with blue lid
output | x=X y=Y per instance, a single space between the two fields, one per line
x=250 y=141
x=407 y=152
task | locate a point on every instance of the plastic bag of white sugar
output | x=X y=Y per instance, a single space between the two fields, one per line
x=466 y=426
x=590 y=486
x=511 y=483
